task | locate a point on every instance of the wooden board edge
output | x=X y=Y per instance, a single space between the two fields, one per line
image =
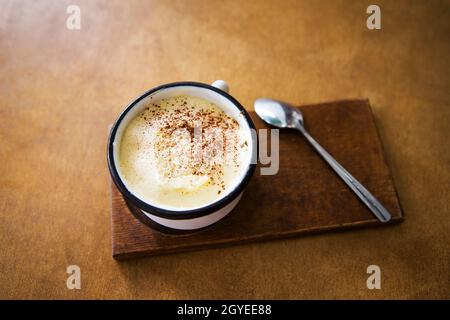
x=119 y=255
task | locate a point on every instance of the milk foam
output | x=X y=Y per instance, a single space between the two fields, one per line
x=182 y=153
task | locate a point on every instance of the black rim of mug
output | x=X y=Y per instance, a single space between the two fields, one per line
x=171 y=214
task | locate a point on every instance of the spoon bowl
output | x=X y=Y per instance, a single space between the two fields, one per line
x=278 y=114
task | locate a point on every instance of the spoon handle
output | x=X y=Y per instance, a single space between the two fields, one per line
x=369 y=200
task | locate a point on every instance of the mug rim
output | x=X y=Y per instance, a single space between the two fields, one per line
x=178 y=214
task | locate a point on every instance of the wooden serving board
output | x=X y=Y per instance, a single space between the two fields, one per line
x=305 y=197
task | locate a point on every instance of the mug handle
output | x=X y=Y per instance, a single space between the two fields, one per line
x=222 y=85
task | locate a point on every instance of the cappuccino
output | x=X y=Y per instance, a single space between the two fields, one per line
x=183 y=153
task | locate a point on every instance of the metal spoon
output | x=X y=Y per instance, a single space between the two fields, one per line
x=282 y=115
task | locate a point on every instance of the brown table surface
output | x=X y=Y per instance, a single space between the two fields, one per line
x=60 y=90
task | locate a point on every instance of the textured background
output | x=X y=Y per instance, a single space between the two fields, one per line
x=60 y=89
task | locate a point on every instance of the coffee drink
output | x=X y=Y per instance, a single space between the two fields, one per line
x=182 y=153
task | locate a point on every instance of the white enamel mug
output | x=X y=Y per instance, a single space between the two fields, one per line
x=170 y=220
